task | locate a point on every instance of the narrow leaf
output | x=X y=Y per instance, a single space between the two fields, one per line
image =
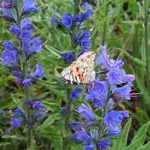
x=121 y=142
x=139 y=138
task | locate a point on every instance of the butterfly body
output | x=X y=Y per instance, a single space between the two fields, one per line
x=81 y=70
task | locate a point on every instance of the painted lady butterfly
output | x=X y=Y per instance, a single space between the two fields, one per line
x=81 y=70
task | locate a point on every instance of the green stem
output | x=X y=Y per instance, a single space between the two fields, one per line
x=76 y=6
x=67 y=118
x=68 y=101
x=146 y=45
x=101 y=124
x=105 y=25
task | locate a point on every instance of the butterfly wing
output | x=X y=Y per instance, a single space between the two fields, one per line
x=81 y=70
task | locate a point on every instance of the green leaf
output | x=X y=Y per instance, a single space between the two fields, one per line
x=121 y=142
x=139 y=138
x=49 y=121
x=2 y=144
x=144 y=147
x=17 y=137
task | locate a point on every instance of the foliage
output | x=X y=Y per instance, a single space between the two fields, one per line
x=124 y=27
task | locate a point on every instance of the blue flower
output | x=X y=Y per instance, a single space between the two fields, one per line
x=104 y=60
x=7 y=13
x=75 y=94
x=17 y=74
x=79 y=18
x=75 y=125
x=55 y=21
x=1 y=111
x=116 y=76
x=6 y=4
x=38 y=73
x=87 y=14
x=123 y=91
x=38 y=105
x=85 y=112
x=9 y=57
x=85 y=40
x=16 y=122
x=77 y=37
x=27 y=82
x=63 y=111
x=97 y=93
x=18 y=112
x=29 y=6
x=68 y=56
x=35 y=45
x=15 y=30
x=104 y=144
x=86 y=6
x=26 y=24
x=67 y=20
x=129 y=78
x=38 y=116
x=89 y=147
x=9 y=46
x=85 y=43
x=82 y=136
x=113 y=120
x=30 y=44
x=114 y=133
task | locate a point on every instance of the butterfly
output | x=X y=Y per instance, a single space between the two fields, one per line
x=81 y=70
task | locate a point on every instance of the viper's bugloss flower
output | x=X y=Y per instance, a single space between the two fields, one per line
x=38 y=105
x=82 y=136
x=67 y=20
x=38 y=72
x=123 y=91
x=1 y=111
x=89 y=147
x=79 y=18
x=16 y=122
x=104 y=144
x=29 y=7
x=27 y=82
x=113 y=120
x=14 y=29
x=7 y=7
x=68 y=56
x=104 y=60
x=37 y=116
x=63 y=111
x=75 y=93
x=6 y=4
x=116 y=76
x=75 y=125
x=97 y=93
x=18 y=112
x=9 y=46
x=55 y=21
x=9 y=55
x=85 y=40
x=85 y=112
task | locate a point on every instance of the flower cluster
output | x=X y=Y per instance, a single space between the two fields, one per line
x=37 y=114
x=104 y=93
x=17 y=57
x=70 y=23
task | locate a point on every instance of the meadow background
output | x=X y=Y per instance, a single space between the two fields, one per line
x=123 y=25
